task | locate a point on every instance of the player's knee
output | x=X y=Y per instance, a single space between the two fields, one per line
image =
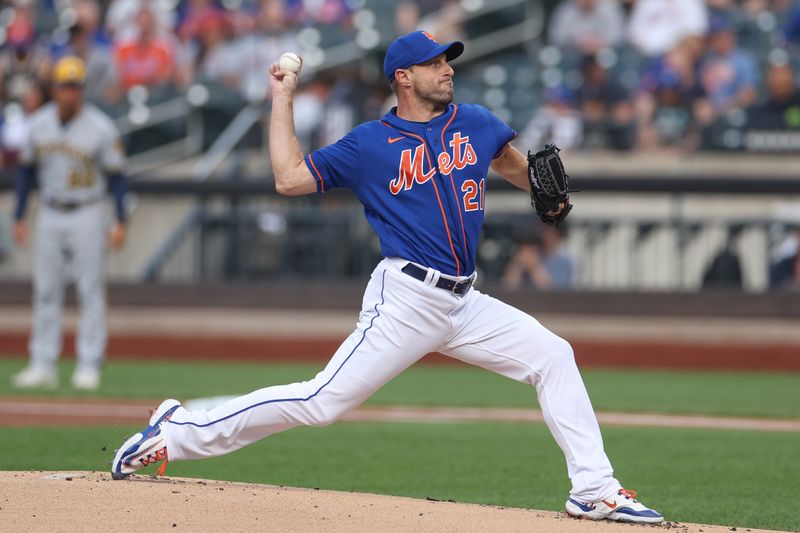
x=330 y=407
x=560 y=352
x=96 y=302
x=322 y=411
x=565 y=349
x=323 y=417
x=90 y=292
x=47 y=294
x=323 y=421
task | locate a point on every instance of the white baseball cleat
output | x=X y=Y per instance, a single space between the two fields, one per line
x=620 y=507
x=147 y=447
x=86 y=378
x=32 y=377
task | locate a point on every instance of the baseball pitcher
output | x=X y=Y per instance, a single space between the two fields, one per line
x=75 y=155
x=420 y=173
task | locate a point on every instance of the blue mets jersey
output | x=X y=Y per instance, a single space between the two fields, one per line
x=422 y=184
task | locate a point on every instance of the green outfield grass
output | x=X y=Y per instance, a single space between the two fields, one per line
x=725 y=477
x=712 y=393
x=710 y=476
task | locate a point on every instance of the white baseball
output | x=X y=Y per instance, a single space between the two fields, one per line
x=290 y=62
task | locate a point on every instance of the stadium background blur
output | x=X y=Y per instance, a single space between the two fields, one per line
x=675 y=278
x=665 y=110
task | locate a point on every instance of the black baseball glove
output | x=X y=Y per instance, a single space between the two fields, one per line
x=549 y=185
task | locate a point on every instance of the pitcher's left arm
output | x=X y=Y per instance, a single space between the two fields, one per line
x=512 y=165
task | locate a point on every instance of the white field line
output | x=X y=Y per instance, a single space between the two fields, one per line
x=139 y=413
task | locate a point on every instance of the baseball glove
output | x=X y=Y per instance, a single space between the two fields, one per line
x=549 y=185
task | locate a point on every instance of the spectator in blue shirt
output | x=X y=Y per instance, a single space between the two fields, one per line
x=781 y=106
x=540 y=261
x=668 y=91
x=729 y=74
x=791 y=30
x=607 y=107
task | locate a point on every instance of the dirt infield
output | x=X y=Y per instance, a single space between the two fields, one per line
x=33 y=411
x=59 y=501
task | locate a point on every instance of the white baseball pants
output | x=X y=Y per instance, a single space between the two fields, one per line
x=401 y=320
x=69 y=243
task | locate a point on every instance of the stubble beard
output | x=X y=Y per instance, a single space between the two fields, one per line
x=437 y=96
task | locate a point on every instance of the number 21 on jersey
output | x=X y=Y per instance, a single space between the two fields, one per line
x=473 y=194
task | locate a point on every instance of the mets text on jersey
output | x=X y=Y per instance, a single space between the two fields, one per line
x=411 y=168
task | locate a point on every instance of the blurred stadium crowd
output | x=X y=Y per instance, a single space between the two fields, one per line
x=637 y=74
x=650 y=73
x=591 y=75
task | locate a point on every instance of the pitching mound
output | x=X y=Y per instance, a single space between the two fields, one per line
x=92 y=501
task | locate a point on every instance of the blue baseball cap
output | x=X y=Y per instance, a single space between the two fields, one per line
x=415 y=48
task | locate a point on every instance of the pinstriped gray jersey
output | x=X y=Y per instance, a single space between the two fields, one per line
x=73 y=160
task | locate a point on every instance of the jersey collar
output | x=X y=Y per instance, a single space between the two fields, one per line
x=418 y=127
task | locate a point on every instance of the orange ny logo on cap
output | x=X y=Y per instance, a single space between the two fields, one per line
x=429 y=36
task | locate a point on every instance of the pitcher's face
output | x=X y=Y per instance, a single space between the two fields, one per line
x=432 y=81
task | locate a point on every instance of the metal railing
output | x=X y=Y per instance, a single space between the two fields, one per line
x=243 y=230
x=204 y=169
x=626 y=233
x=269 y=241
x=140 y=117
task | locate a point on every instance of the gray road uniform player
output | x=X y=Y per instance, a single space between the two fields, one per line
x=75 y=154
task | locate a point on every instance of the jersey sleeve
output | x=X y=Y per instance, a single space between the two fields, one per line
x=503 y=133
x=336 y=166
x=112 y=152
